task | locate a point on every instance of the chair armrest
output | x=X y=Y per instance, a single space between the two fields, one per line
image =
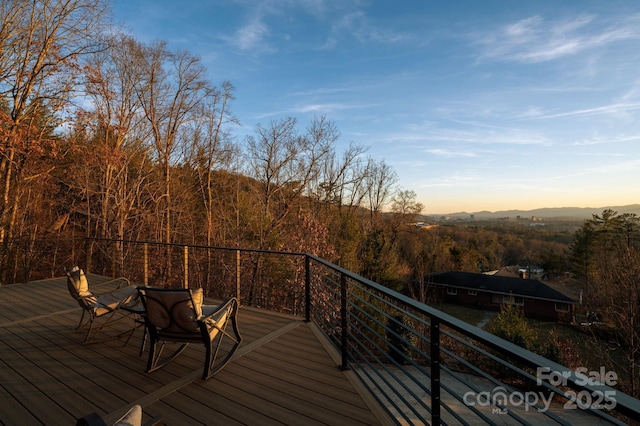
x=226 y=304
x=124 y=282
x=90 y=300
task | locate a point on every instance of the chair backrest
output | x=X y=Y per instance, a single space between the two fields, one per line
x=172 y=310
x=78 y=286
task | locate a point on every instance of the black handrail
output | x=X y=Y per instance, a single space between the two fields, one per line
x=573 y=385
x=413 y=358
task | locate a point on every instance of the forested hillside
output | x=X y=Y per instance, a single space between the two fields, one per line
x=103 y=135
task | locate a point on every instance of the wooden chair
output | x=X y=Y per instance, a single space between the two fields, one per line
x=101 y=310
x=178 y=316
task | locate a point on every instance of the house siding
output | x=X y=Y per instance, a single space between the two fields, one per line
x=476 y=291
x=550 y=310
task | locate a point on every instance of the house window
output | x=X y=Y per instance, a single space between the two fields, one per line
x=562 y=307
x=472 y=292
x=515 y=300
x=452 y=291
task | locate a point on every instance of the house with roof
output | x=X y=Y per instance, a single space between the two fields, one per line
x=537 y=299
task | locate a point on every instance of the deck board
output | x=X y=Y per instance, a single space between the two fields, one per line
x=282 y=373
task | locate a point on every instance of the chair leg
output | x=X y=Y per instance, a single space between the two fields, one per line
x=107 y=320
x=96 y=330
x=87 y=336
x=144 y=338
x=153 y=362
x=212 y=353
x=137 y=323
x=81 y=320
x=207 y=360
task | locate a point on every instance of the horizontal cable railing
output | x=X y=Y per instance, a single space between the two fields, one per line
x=267 y=279
x=425 y=366
x=420 y=364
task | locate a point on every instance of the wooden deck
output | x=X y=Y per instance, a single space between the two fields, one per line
x=283 y=373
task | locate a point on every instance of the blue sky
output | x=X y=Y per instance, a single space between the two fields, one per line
x=477 y=105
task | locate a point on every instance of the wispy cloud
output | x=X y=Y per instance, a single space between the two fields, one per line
x=322 y=91
x=251 y=36
x=534 y=39
x=329 y=107
x=615 y=108
x=448 y=153
x=357 y=26
x=473 y=136
x=315 y=108
x=599 y=140
x=270 y=19
x=455 y=179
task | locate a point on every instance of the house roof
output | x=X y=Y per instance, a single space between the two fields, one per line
x=498 y=284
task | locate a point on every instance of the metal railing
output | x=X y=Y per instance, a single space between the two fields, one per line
x=422 y=365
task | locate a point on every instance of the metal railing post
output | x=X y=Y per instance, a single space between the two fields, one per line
x=238 y=276
x=307 y=289
x=186 y=267
x=145 y=251
x=435 y=371
x=114 y=255
x=344 y=323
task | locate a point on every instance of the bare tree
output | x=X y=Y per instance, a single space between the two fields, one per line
x=286 y=164
x=119 y=166
x=212 y=151
x=405 y=208
x=341 y=192
x=380 y=179
x=606 y=254
x=41 y=44
x=616 y=298
x=342 y=181
x=404 y=204
x=118 y=126
x=171 y=88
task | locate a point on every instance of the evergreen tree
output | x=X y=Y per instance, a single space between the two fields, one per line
x=511 y=324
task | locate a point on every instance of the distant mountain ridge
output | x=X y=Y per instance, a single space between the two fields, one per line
x=547 y=212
